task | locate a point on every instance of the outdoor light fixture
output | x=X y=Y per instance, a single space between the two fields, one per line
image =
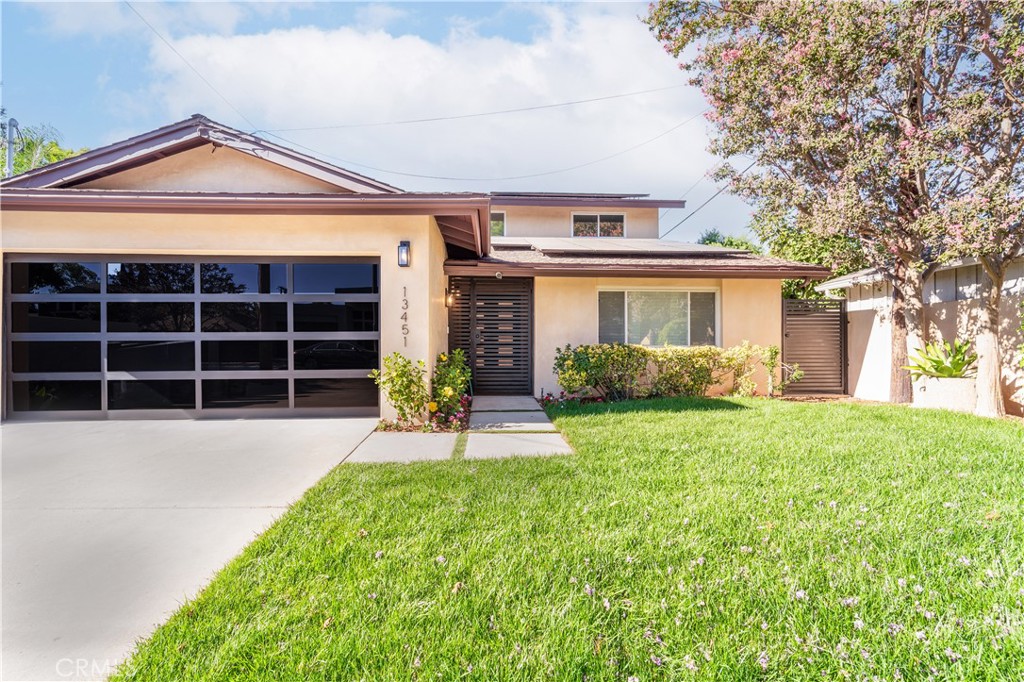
x=449 y=298
x=404 y=254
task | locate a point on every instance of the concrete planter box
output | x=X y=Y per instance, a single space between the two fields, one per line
x=959 y=395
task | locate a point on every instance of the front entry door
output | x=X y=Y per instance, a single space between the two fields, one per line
x=492 y=320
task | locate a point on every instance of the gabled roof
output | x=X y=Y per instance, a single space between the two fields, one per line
x=193 y=132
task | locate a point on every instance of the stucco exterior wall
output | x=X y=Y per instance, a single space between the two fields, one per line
x=870 y=338
x=212 y=169
x=869 y=347
x=565 y=311
x=421 y=284
x=556 y=221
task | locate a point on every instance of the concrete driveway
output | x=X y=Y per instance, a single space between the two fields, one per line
x=109 y=526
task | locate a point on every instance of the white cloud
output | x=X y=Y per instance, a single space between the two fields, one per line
x=378 y=16
x=103 y=19
x=317 y=77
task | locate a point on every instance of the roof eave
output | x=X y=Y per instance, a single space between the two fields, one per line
x=474 y=207
x=487 y=269
x=586 y=202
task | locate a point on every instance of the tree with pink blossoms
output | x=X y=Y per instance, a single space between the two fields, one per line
x=894 y=125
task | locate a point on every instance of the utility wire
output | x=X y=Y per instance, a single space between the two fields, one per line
x=683 y=195
x=189 y=64
x=422 y=175
x=496 y=179
x=708 y=201
x=455 y=117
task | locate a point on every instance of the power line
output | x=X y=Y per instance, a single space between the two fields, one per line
x=683 y=195
x=455 y=117
x=189 y=64
x=496 y=179
x=708 y=201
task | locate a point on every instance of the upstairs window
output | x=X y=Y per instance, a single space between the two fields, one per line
x=658 y=318
x=498 y=224
x=598 y=225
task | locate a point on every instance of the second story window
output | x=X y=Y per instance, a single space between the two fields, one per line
x=598 y=225
x=498 y=224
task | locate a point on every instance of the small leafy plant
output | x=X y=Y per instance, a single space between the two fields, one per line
x=405 y=387
x=943 y=360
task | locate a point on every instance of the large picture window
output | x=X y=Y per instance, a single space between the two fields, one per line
x=658 y=318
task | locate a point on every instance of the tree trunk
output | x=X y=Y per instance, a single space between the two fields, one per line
x=900 y=389
x=990 y=370
x=913 y=293
x=908 y=328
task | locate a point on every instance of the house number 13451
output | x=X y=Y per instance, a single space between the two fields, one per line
x=405 y=317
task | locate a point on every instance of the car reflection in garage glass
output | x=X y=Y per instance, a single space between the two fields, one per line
x=335 y=354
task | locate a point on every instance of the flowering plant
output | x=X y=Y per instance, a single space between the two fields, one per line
x=449 y=393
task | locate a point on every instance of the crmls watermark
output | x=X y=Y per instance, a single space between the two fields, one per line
x=85 y=668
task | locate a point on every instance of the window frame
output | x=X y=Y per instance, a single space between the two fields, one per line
x=717 y=291
x=625 y=223
x=504 y=223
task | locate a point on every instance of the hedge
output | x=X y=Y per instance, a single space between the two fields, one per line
x=623 y=371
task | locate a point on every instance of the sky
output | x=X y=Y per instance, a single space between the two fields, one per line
x=351 y=82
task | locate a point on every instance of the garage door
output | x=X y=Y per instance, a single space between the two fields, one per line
x=147 y=337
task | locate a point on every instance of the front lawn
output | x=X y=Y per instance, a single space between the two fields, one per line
x=688 y=538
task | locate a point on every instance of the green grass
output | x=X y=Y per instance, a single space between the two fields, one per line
x=703 y=539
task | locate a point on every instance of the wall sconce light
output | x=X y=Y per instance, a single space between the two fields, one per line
x=404 y=254
x=449 y=298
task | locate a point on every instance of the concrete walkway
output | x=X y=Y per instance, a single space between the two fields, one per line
x=109 y=526
x=509 y=426
x=499 y=427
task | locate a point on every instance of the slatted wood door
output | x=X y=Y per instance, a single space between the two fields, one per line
x=814 y=337
x=492 y=320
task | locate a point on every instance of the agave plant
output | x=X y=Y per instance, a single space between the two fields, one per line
x=943 y=360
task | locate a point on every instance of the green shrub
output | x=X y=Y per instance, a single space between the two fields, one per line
x=617 y=371
x=772 y=361
x=688 y=371
x=620 y=371
x=405 y=387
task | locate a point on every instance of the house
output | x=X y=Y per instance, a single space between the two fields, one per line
x=953 y=306
x=196 y=270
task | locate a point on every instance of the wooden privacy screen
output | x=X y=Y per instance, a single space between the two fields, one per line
x=814 y=337
x=492 y=320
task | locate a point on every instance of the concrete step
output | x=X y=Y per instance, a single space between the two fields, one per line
x=505 y=403
x=500 y=445
x=510 y=421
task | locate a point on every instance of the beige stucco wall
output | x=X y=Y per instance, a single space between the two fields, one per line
x=565 y=311
x=212 y=169
x=556 y=221
x=870 y=341
x=422 y=284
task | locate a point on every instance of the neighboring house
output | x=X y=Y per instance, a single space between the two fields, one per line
x=953 y=306
x=197 y=270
